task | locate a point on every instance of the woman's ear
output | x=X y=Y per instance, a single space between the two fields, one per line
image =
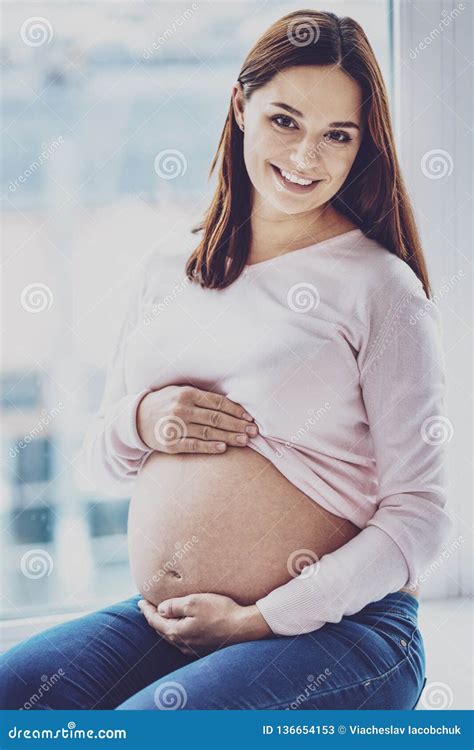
x=238 y=103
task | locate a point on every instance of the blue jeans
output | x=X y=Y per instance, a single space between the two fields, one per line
x=113 y=659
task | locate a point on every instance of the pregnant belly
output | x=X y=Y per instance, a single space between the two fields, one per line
x=228 y=524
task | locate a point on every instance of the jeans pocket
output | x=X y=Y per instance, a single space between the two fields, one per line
x=403 y=634
x=399 y=630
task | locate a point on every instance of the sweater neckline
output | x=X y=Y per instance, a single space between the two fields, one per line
x=250 y=267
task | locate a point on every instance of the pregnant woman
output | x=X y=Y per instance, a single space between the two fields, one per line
x=272 y=405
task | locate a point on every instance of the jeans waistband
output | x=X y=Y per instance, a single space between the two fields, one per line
x=398 y=600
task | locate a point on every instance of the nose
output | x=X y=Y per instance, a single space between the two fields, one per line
x=304 y=155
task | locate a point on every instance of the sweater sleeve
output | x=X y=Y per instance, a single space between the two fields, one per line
x=112 y=451
x=402 y=380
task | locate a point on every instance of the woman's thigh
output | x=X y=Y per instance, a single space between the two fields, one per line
x=94 y=662
x=371 y=660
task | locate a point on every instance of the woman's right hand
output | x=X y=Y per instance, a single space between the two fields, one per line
x=185 y=419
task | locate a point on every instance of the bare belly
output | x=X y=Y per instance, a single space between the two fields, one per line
x=228 y=524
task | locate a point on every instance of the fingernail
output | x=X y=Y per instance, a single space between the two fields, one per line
x=246 y=416
x=241 y=439
x=220 y=446
x=252 y=430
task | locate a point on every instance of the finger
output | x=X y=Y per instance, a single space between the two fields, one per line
x=218 y=419
x=210 y=400
x=176 y=607
x=147 y=609
x=150 y=612
x=163 y=625
x=169 y=612
x=186 y=649
x=168 y=628
x=143 y=601
x=204 y=432
x=194 y=445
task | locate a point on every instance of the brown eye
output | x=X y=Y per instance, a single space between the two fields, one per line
x=338 y=136
x=287 y=119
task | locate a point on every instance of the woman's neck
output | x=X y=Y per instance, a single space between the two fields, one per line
x=273 y=235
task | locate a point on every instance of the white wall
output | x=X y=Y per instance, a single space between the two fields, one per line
x=433 y=111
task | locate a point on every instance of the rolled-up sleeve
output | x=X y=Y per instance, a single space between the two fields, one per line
x=402 y=380
x=112 y=451
x=403 y=386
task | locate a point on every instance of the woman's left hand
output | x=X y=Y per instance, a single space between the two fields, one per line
x=198 y=624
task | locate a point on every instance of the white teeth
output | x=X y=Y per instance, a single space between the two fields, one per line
x=293 y=178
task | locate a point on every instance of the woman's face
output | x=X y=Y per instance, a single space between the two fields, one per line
x=308 y=122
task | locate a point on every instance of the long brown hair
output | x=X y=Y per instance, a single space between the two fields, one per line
x=373 y=196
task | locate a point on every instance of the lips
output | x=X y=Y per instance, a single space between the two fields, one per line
x=293 y=187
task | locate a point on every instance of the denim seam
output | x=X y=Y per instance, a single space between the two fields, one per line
x=405 y=659
x=414 y=625
x=409 y=645
x=411 y=653
x=347 y=687
x=419 y=694
x=406 y=618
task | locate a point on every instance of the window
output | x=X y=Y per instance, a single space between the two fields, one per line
x=85 y=116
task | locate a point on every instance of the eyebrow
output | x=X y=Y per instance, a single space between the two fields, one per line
x=342 y=124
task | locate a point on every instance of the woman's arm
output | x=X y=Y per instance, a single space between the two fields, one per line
x=112 y=451
x=403 y=383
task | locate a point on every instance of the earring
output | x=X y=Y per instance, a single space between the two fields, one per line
x=242 y=127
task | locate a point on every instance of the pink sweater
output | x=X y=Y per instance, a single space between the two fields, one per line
x=336 y=352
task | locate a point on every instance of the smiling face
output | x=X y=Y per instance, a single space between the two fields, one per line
x=304 y=126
